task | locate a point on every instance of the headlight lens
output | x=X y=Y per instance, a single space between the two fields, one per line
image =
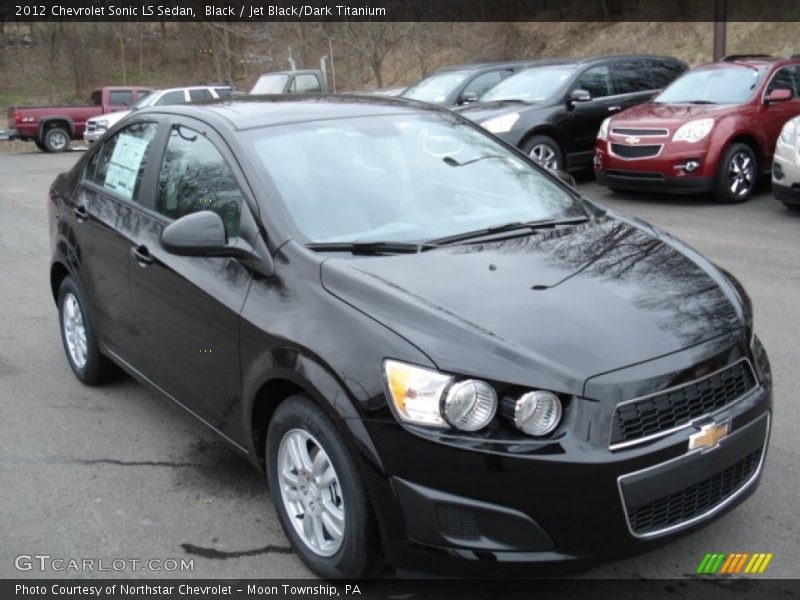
x=416 y=393
x=603 y=133
x=470 y=405
x=789 y=133
x=694 y=131
x=501 y=124
x=537 y=413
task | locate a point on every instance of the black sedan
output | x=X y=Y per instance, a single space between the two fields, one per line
x=553 y=112
x=440 y=355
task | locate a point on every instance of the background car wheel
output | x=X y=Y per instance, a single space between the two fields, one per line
x=318 y=493
x=40 y=145
x=77 y=335
x=544 y=150
x=737 y=175
x=56 y=139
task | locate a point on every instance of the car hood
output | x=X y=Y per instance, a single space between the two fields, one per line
x=666 y=115
x=549 y=310
x=481 y=111
x=111 y=117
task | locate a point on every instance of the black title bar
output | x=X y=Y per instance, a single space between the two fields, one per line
x=398 y=10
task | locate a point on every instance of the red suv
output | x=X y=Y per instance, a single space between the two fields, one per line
x=712 y=130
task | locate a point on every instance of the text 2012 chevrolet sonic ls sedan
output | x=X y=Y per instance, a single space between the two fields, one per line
x=441 y=355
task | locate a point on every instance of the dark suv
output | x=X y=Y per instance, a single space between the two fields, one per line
x=553 y=111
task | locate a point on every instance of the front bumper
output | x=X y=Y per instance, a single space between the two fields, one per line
x=664 y=172
x=90 y=137
x=786 y=176
x=569 y=504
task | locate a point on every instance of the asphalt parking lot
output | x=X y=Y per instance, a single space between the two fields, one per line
x=117 y=472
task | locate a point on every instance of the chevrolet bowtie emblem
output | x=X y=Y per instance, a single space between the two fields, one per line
x=632 y=141
x=709 y=435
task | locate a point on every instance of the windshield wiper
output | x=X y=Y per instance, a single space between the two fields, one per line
x=371 y=248
x=449 y=160
x=531 y=226
x=701 y=102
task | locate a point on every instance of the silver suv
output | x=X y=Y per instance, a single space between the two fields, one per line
x=97 y=126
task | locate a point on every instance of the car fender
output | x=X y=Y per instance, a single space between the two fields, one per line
x=44 y=122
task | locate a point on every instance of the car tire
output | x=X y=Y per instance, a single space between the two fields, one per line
x=56 y=139
x=737 y=174
x=78 y=337
x=545 y=151
x=792 y=206
x=300 y=435
x=40 y=145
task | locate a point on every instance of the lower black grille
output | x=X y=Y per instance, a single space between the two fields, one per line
x=676 y=407
x=458 y=522
x=644 y=151
x=694 y=500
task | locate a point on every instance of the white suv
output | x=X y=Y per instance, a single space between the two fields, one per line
x=97 y=126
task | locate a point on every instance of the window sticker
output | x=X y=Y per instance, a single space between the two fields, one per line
x=126 y=160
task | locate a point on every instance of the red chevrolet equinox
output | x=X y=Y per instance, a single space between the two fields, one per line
x=712 y=130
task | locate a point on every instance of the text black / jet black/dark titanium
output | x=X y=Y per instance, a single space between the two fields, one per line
x=553 y=112
x=441 y=356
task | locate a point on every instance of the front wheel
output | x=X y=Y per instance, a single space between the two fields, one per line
x=737 y=174
x=318 y=492
x=544 y=150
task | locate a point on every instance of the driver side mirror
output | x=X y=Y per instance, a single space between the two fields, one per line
x=779 y=95
x=468 y=97
x=579 y=95
x=196 y=234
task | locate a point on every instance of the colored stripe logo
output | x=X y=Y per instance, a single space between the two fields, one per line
x=736 y=563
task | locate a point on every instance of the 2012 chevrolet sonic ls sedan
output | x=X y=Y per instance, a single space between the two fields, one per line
x=440 y=354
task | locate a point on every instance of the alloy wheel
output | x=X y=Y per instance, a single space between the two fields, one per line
x=310 y=492
x=74 y=331
x=545 y=155
x=741 y=174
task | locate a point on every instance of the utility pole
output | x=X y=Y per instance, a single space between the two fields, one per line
x=720 y=27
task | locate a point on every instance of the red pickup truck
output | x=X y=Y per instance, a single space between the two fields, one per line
x=52 y=127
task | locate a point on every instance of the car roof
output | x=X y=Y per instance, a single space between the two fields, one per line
x=249 y=112
x=753 y=61
x=290 y=72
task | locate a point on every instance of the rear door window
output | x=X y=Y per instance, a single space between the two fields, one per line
x=664 y=72
x=119 y=165
x=596 y=81
x=305 y=83
x=632 y=76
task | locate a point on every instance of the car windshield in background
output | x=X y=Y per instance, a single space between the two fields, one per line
x=270 y=84
x=435 y=88
x=531 y=85
x=730 y=85
x=410 y=178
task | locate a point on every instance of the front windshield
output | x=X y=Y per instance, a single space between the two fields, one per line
x=730 y=85
x=270 y=84
x=408 y=178
x=531 y=85
x=437 y=87
x=144 y=102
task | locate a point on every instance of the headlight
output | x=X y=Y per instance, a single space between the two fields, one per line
x=416 y=393
x=694 y=131
x=102 y=124
x=501 y=124
x=789 y=133
x=470 y=405
x=761 y=360
x=537 y=413
x=603 y=133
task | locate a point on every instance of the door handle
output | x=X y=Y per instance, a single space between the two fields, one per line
x=614 y=108
x=143 y=256
x=80 y=212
